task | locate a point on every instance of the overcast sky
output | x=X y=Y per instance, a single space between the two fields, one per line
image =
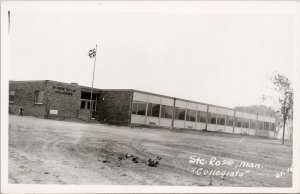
x=218 y=58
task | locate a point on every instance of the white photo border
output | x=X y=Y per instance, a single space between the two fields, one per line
x=285 y=7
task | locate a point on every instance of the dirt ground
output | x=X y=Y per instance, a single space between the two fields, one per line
x=61 y=152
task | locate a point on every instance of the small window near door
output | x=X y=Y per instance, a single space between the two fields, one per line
x=12 y=96
x=39 y=97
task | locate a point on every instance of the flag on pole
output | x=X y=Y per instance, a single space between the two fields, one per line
x=92 y=53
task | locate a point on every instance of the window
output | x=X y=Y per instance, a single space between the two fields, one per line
x=252 y=124
x=229 y=120
x=261 y=125
x=180 y=113
x=134 y=108
x=39 y=97
x=12 y=96
x=213 y=118
x=238 y=122
x=201 y=117
x=153 y=110
x=139 y=108
x=82 y=106
x=272 y=126
x=87 y=96
x=86 y=104
x=166 y=111
x=94 y=105
x=266 y=125
x=221 y=120
x=245 y=123
x=149 y=109
x=208 y=117
x=191 y=115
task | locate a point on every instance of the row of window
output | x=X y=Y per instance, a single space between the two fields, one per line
x=154 y=110
x=239 y=122
x=139 y=108
x=220 y=119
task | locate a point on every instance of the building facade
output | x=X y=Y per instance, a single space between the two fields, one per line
x=57 y=100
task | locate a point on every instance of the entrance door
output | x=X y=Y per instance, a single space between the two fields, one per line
x=87 y=105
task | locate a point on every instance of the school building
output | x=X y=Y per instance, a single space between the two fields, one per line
x=57 y=100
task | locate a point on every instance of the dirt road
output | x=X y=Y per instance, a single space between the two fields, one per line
x=59 y=152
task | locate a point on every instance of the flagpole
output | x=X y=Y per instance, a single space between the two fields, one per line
x=91 y=104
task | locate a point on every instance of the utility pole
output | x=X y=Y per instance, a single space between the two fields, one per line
x=91 y=99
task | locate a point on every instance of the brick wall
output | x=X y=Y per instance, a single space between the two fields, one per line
x=114 y=107
x=65 y=98
x=25 y=97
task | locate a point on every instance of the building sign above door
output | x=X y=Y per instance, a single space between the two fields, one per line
x=63 y=90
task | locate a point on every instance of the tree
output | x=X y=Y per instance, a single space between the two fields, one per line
x=285 y=99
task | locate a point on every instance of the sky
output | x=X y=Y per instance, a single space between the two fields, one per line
x=211 y=57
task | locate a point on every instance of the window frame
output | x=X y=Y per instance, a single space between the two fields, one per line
x=273 y=127
x=177 y=113
x=228 y=119
x=238 y=122
x=266 y=126
x=221 y=117
x=87 y=104
x=253 y=124
x=246 y=122
x=200 y=116
x=138 y=104
x=153 y=106
x=188 y=115
x=165 y=109
x=261 y=125
x=9 y=95
x=213 y=116
x=36 y=96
